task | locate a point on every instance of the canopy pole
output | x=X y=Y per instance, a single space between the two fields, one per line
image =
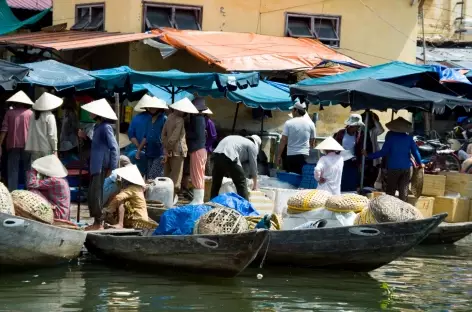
x=173 y=95
x=364 y=146
x=262 y=122
x=235 y=117
x=117 y=112
x=393 y=114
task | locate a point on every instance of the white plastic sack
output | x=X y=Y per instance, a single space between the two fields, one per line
x=334 y=219
x=227 y=186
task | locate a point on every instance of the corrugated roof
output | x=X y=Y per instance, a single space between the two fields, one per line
x=37 y=5
x=71 y=40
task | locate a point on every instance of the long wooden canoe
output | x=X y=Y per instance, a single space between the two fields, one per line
x=448 y=233
x=27 y=243
x=355 y=248
x=225 y=255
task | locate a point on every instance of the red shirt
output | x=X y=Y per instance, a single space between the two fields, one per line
x=16 y=124
x=55 y=190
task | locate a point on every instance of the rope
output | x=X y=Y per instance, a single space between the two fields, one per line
x=265 y=253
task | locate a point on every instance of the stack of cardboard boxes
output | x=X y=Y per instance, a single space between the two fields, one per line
x=449 y=192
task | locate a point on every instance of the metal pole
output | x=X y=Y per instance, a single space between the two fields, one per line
x=423 y=37
x=262 y=122
x=117 y=112
x=79 y=191
x=235 y=117
x=364 y=146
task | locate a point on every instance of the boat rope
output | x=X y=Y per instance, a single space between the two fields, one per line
x=265 y=253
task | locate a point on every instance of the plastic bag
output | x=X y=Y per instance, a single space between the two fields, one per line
x=232 y=200
x=334 y=219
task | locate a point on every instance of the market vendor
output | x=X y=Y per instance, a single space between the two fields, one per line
x=15 y=127
x=110 y=185
x=129 y=203
x=299 y=136
x=104 y=155
x=373 y=130
x=136 y=132
x=398 y=148
x=228 y=157
x=42 y=134
x=48 y=179
x=211 y=135
x=68 y=140
x=329 y=169
x=351 y=139
x=152 y=136
x=174 y=141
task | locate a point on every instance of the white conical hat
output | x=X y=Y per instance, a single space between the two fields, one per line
x=131 y=174
x=47 y=102
x=124 y=140
x=100 y=108
x=151 y=102
x=329 y=144
x=207 y=112
x=50 y=166
x=20 y=97
x=184 y=105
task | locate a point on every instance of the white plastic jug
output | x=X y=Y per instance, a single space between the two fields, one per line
x=161 y=189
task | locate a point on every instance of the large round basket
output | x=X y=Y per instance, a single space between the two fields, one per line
x=345 y=203
x=221 y=220
x=307 y=200
x=32 y=206
x=6 y=202
x=386 y=208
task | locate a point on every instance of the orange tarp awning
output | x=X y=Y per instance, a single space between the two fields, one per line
x=325 y=71
x=252 y=52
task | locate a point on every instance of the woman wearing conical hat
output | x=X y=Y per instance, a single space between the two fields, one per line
x=15 y=127
x=329 y=169
x=48 y=179
x=104 y=154
x=42 y=134
x=398 y=148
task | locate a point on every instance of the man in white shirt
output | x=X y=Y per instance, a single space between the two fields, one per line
x=299 y=136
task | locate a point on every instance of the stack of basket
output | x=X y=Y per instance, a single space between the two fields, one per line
x=32 y=206
x=6 y=202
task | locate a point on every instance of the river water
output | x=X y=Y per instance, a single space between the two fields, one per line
x=437 y=278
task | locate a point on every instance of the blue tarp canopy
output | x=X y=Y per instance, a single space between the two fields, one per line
x=59 y=76
x=11 y=74
x=111 y=78
x=162 y=93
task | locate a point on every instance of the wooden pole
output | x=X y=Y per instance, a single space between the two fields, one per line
x=117 y=112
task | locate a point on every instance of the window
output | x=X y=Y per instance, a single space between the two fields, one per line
x=179 y=17
x=89 y=17
x=325 y=28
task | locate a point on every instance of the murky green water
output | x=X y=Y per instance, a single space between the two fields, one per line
x=427 y=279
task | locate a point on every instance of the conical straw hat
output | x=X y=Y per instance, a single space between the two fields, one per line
x=100 y=108
x=184 y=105
x=50 y=166
x=151 y=102
x=20 y=97
x=329 y=144
x=47 y=102
x=399 y=125
x=131 y=174
x=124 y=140
x=207 y=112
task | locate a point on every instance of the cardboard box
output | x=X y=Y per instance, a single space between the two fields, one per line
x=456 y=208
x=424 y=204
x=434 y=185
x=459 y=183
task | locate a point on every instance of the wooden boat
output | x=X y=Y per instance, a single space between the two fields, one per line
x=448 y=233
x=28 y=243
x=355 y=248
x=225 y=255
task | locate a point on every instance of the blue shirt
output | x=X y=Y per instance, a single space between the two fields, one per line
x=104 y=152
x=397 y=148
x=137 y=127
x=153 y=136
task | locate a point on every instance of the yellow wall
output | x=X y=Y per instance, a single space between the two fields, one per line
x=374 y=33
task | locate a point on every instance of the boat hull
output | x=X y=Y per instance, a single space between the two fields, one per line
x=448 y=233
x=27 y=243
x=225 y=255
x=356 y=248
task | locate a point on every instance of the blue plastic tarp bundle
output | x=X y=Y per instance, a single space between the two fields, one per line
x=181 y=220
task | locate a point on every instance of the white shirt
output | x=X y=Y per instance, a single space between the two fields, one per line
x=42 y=133
x=330 y=168
x=349 y=142
x=299 y=131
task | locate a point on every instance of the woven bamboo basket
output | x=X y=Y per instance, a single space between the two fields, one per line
x=307 y=200
x=65 y=224
x=6 y=202
x=221 y=220
x=346 y=203
x=32 y=206
x=140 y=224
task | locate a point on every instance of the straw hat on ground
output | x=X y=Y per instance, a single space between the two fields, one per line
x=47 y=102
x=131 y=174
x=20 y=97
x=50 y=166
x=124 y=140
x=257 y=140
x=151 y=102
x=399 y=125
x=185 y=106
x=207 y=112
x=100 y=108
x=329 y=144
x=354 y=120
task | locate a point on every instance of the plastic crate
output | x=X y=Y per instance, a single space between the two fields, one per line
x=308 y=177
x=290 y=177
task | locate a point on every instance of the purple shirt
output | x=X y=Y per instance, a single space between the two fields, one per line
x=210 y=130
x=16 y=123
